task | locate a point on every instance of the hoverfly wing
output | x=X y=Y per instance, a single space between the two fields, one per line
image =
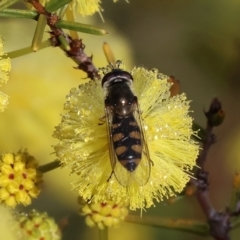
x=122 y=175
x=143 y=170
x=141 y=174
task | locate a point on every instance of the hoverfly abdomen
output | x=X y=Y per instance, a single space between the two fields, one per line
x=127 y=141
x=126 y=138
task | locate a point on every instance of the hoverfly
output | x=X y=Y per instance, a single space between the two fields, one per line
x=129 y=152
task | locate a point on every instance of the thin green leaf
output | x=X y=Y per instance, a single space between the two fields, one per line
x=38 y=34
x=193 y=226
x=80 y=27
x=53 y=5
x=64 y=43
x=27 y=50
x=6 y=3
x=18 y=13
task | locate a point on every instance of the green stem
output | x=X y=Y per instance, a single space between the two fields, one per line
x=49 y=166
x=18 y=13
x=27 y=50
x=193 y=226
x=6 y=3
x=38 y=35
x=103 y=233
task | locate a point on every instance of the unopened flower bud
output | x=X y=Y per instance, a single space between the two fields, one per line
x=215 y=114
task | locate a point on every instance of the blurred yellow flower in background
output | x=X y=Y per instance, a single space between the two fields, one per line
x=103 y=214
x=84 y=147
x=18 y=178
x=5 y=67
x=86 y=7
x=6 y=222
x=3 y=101
x=36 y=225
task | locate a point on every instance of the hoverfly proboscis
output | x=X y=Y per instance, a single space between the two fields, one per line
x=129 y=154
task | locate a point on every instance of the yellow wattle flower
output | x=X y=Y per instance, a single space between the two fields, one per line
x=3 y=101
x=36 y=225
x=86 y=7
x=19 y=179
x=84 y=147
x=103 y=214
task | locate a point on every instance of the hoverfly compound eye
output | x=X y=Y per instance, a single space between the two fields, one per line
x=116 y=75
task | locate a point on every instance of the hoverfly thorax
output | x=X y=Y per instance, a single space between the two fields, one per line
x=124 y=125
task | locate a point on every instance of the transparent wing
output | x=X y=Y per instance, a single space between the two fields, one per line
x=141 y=174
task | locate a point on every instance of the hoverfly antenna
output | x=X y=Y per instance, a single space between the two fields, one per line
x=118 y=63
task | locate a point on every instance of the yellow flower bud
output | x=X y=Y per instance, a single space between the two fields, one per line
x=11 y=201
x=97 y=217
x=8 y=158
x=89 y=221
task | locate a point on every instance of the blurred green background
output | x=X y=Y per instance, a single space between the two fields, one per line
x=198 y=42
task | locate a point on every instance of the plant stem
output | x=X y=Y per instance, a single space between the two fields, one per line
x=49 y=166
x=103 y=234
x=39 y=31
x=187 y=225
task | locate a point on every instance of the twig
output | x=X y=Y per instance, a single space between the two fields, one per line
x=219 y=222
x=76 y=51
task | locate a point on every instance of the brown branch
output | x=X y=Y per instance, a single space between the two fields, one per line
x=76 y=51
x=219 y=222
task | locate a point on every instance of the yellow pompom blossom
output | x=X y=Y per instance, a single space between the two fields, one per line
x=103 y=214
x=36 y=226
x=6 y=223
x=84 y=146
x=3 y=101
x=19 y=178
x=5 y=67
x=86 y=7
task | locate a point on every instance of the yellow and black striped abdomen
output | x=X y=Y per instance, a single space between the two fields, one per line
x=127 y=141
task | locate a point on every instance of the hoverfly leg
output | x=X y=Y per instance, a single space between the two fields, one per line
x=110 y=176
x=102 y=120
x=149 y=159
